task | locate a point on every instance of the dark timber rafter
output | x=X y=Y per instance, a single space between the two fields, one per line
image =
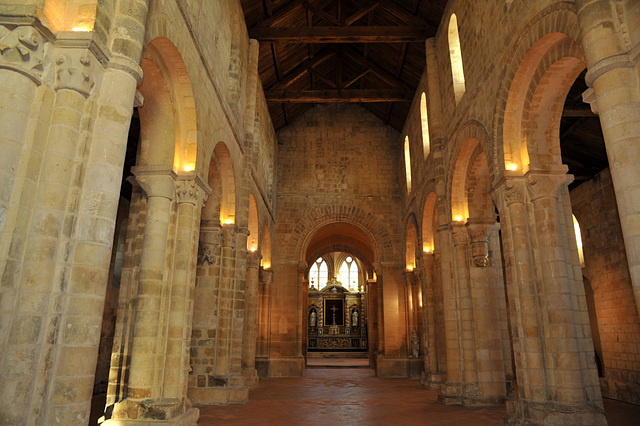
x=377 y=34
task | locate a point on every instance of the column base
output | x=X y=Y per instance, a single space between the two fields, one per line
x=251 y=377
x=154 y=412
x=219 y=396
x=432 y=381
x=554 y=413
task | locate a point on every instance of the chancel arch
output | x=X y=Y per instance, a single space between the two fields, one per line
x=339 y=308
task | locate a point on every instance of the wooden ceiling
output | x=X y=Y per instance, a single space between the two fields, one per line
x=369 y=52
x=372 y=52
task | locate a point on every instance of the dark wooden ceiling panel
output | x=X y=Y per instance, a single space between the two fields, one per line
x=318 y=60
x=352 y=70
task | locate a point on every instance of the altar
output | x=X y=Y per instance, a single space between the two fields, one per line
x=337 y=319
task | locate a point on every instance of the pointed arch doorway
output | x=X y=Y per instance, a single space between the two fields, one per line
x=341 y=307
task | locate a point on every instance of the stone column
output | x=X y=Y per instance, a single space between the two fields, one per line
x=451 y=391
x=250 y=320
x=568 y=354
x=484 y=302
x=468 y=365
x=218 y=322
x=191 y=193
x=611 y=44
x=302 y=319
x=265 y=277
x=524 y=303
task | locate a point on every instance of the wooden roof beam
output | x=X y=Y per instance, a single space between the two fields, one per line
x=362 y=34
x=321 y=13
x=339 y=96
x=303 y=68
x=360 y=14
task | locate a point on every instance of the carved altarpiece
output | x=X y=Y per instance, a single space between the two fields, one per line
x=337 y=319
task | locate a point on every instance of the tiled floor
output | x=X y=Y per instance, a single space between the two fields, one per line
x=353 y=396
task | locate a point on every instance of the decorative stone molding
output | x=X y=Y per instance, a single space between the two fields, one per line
x=302 y=267
x=589 y=97
x=22 y=50
x=206 y=254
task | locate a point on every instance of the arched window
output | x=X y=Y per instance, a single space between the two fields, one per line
x=319 y=273
x=456 y=58
x=424 y=118
x=576 y=228
x=349 y=274
x=407 y=162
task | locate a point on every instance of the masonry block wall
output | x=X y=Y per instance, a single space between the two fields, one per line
x=335 y=163
x=607 y=271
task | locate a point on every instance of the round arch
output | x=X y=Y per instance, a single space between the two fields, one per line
x=531 y=54
x=168 y=118
x=429 y=223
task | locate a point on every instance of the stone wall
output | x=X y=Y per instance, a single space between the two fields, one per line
x=607 y=270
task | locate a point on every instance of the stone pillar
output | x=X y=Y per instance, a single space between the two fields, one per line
x=191 y=194
x=487 y=331
x=611 y=44
x=573 y=382
x=462 y=293
x=451 y=391
x=218 y=323
x=250 y=320
x=302 y=320
x=393 y=359
x=265 y=277
x=432 y=377
x=557 y=381
x=156 y=330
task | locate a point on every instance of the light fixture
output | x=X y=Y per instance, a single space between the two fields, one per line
x=512 y=166
x=458 y=218
x=189 y=167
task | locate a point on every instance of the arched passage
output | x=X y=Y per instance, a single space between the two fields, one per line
x=338 y=312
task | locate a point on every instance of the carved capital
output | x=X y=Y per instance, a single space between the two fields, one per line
x=266 y=276
x=75 y=70
x=188 y=190
x=545 y=184
x=253 y=259
x=302 y=268
x=229 y=231
x=460 y=236
x=479 y=231
x=206 y=254
x=156 y=183
x=510 y=190
x=22 y=50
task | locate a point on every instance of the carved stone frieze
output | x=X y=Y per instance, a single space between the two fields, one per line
x=206 y=254
x=75 y=70
x=22 y=49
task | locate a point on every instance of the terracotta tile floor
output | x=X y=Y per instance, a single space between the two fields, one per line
x=353 y=396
